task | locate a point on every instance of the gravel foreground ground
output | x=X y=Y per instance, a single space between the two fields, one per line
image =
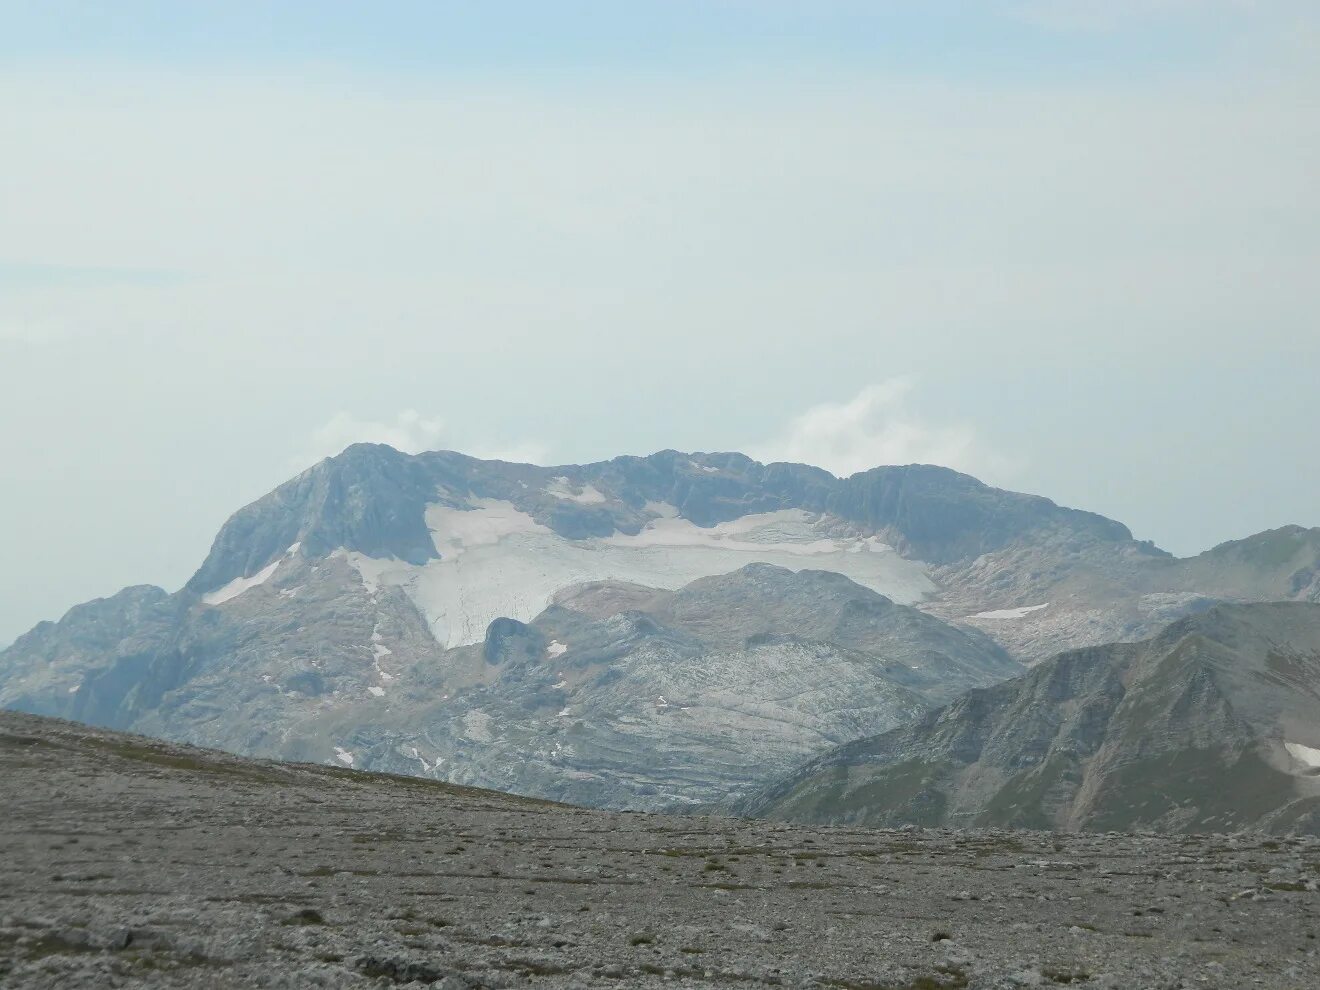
x=134 y=863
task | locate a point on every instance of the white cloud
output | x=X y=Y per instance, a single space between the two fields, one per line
x=411 y=432
x=877 y=426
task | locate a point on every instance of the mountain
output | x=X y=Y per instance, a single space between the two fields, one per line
x=615 y=695
x=1213 y=725
x=627 y=696
x=1037 y=577
x=386 y=610
x=1056 y=594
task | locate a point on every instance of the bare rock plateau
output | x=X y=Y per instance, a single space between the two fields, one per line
x=127 y=862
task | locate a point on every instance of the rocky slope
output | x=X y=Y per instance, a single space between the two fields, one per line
x=349 y=616
x=1214 y=724
x=616 y=695
x=1052 y=595
x=130 y=862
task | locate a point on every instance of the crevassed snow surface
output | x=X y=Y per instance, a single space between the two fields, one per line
x=497 y=561
x=1303 y=754
x=1009 y=613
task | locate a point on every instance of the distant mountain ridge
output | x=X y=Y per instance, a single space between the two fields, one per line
x=379 y=587
x=373 y=499
x=1213 y=725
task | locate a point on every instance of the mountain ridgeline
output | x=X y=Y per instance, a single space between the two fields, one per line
x=373 y=499
x=651 y=632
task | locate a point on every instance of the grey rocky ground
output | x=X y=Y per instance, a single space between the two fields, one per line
x=128 y=862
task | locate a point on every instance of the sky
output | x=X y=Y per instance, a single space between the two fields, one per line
x=1068 y=247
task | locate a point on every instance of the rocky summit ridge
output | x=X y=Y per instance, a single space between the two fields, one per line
x=643 y=632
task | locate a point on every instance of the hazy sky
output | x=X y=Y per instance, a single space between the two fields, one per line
x=1071 y=247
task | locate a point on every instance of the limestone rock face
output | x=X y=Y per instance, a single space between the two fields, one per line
x=518 y=626
x=1213 y=725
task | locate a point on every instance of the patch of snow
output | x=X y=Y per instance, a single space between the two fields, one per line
x=1308 y=755
x=369 y=570
x=1009 y=613
x=428 y=767
x=564 y=713
x=379 y=652
x=489 y=522
x=239 y=585
x=497 y=561
x=74 y=689
x=561 y=488
x=291 y=592
x=293 y=549
x=344 y=756
x=379 y=692
x=556 y=648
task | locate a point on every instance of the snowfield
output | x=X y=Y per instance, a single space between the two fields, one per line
x=239 y=585
x=497 y=561
x=1307 y=755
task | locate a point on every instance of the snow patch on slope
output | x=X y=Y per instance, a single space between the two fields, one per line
x=497 y=561
x=236 y=587
x=239 y=585
x=1308 y=755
